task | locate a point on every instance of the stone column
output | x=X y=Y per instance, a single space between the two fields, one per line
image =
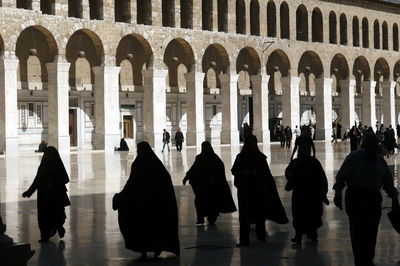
x=154 y=109
x=85 y=9
x=368 y=103
x=107 y=129
x=58 y=75
x=156 y=12
x=197 y=15
x=388 y=99
x=35 y=5
x=260 y=107
x=8 y=106
x=291 y=101
x=348 y=88
x=229 y=133
x=195 y=108
x=323 y=106
x=231 y=16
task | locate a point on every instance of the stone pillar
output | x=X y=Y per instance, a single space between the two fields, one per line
x=231 y=16
x=388 y=99
x=85 y=9
x=156 y=12
x=229 y=133
x=35 y=5
x=291 y=101
x=61 y=8
x=195 y=108
x=154 y=109
x=58 y=75
x=323 y=106
x=107 y=129
x=215 y=15
x=177 y=13
x=348 y=88
x=368 y=103
x=260 y=107
x=8 y=106
x=197 y=15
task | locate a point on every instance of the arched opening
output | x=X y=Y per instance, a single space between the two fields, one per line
x=361 y=72
x=284 y=19
x=47 y=7
x=240 y=17
x=385 y=39
x=95 y=9
x=343 y=29
x=187 y=14
x=35 y=47
x=356 y=32
x=122 y=11
x=395 y=37
x=271 y=19
x=168 y=13
x=207 y=15
x=381 y=73
x=365 y=33
x=25 y=4
x=317 y=27
x=75 y=8
x=377 y=39
x=222 y=16
x=144 y=12
x=302 y=23
x=254 y=18
x=332 y=28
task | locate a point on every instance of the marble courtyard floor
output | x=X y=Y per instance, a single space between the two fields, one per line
x=92 y=233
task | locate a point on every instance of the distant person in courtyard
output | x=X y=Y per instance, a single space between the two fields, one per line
x=355 y=136
x=312 y=132
x=52 y=197
x=334 y=134
x=288 y=136
x=398 y=130
x=305 y=140
x=364 y=172
x=42 y=146
x=247 y=131
x=166 y=139
x=257 y=194
x=212 y=193
x=179 y=139
x=123 y=146
x=306 y=178
x=338 y=131
x=147 y=208
x=297 y=132
x=282 y=136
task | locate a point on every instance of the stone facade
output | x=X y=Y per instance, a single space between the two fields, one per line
x=86 y=73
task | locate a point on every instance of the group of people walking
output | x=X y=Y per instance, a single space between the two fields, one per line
x=148 y=212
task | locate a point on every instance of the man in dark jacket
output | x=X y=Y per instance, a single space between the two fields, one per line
x=165 y=139
x=179 y=139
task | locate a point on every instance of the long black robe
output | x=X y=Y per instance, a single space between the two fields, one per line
x=52 y=195
x=307 y=179
x=208 y=181
x=147 y=209
x=257 y=193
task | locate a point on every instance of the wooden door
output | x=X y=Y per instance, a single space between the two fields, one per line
x=128 y=127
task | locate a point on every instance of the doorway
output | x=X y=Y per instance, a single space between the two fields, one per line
x=128 y=127
x=72 y=128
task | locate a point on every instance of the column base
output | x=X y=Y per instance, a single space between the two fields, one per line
x=61 y=143
x=230 y=137
x=11 y=146
x=195 y=138
x=323 y=134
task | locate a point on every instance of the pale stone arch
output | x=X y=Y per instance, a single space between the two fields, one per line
x=310 y=62
x=311 y=84
x=332 y=28
x=317 y=25
x=248 y=60
x=302 y=23
x=340 y=70
x=240 y=17
x=271 y=18
x=335 y=84
x=284 y=20
x=244 y=82
x=361 y=72
x=278 y=66
x=254 y=18
x=381 y=73
x=216 y=57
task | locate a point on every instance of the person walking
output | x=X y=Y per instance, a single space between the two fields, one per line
x=304 y=140
x=288 y=136
x=334 y=134
x=282 y=136
x=306 y=178
x=52 y=197
x=207 y=178
x=147 y=208
x=179 y=139
x=364 y=172
x=166 y=138
x=257 y=194
x=355 y=136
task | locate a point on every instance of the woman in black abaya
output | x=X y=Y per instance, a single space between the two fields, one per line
x=257 y=194
x=147 y=209
x=208 y=181
x=52 y=195
x=306 y=177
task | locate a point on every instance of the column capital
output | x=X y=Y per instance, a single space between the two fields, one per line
x=105 y=68
x=59 y=66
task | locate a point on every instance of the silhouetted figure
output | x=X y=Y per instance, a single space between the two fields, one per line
x=147 y=209
x=208 y=181
x=165 y=138
x=305 y=141
x=398 y=130
x=339 y=131
x=364 y=172
x=288 y=136
x=355 y=136
x=179 y=139
x=42 y=146
x=123 y=146
x=282 y=136
x=306 y=177
x=257 y=194
x=52 y=195
x=247 y=130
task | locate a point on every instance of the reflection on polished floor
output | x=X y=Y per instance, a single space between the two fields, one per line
x=93 y=236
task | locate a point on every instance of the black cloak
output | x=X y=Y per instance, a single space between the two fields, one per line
x=52 y=195
x=257 y=193
x=147 y=209
x=208 y=181
x=307 y=179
